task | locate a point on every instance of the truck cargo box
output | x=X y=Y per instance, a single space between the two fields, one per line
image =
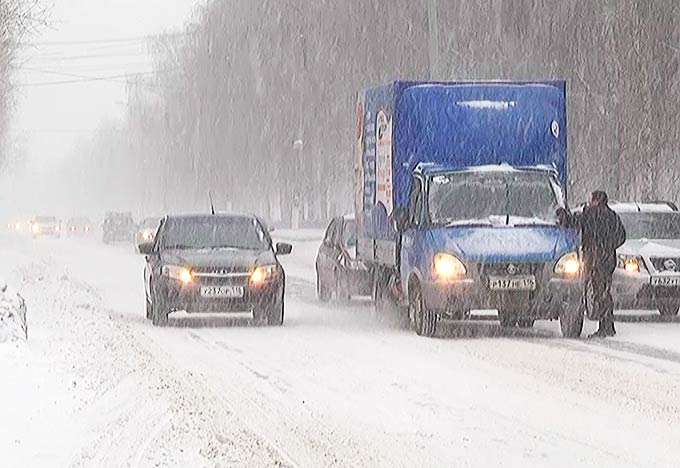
x=459 y=125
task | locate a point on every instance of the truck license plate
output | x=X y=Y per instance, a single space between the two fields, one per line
x=222 y=292
x=665 y=281
x=512 y=283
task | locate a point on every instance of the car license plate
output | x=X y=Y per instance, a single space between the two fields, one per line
x=665 y=281
x=512 y=283
x=222 y=292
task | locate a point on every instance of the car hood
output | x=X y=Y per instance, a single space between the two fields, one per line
x=218 y=258
x=530 y=244
x=651 y=247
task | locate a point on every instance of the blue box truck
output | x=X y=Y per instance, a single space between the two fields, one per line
x=457 y=188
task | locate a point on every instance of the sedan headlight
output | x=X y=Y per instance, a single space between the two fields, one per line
x=448 y=267
x=147 y=235
x=262 y=275
x=568 y=265
x=35 y=229
x=630 y=263
x=178 y=273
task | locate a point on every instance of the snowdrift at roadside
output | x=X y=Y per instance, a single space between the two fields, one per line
x=13 y=325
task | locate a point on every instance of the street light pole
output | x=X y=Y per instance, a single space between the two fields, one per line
x=433 y=27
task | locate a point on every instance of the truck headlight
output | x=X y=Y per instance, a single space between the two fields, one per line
x=179 y=273
x=35 y=229
x=568 y=265
x=448 y=267
x=262 y=274
x=630 y=263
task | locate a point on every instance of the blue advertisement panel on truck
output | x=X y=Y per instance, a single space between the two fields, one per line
x=457 y=190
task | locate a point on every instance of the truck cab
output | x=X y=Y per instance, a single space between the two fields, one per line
x=487 y=238
x=457 y=190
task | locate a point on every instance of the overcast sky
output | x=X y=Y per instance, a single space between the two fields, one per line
x=50 y=118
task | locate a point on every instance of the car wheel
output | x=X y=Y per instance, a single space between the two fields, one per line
x=342 y=293
x=425 y=320
x=322 y=292
x=571 y=322
x=159 y=311
x=668 y=308
x=525 y=323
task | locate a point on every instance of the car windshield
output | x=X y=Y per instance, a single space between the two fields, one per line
x=651 y=225
x=214 y=233
x=510 y=197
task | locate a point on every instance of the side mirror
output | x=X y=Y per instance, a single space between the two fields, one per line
x=400 y=218
x=283 y=248
x=145 y=247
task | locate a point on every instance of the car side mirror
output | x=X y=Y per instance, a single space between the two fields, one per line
x=145 y=247
x=400 y=218
x=283 y=248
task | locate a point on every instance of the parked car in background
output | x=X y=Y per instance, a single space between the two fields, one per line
x=42 y=226
x=648 y=268
x=338 y=272
x=146 y=231
x=214 y=263
x=118 y=227
x=79 y=226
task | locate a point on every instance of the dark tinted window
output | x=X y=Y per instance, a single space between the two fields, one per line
x=214 y=232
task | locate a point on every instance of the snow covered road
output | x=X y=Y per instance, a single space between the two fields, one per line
x=97 y=385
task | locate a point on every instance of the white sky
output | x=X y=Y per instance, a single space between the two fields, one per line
x=51 y=118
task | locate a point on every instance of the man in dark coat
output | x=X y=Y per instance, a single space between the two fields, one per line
x=601 y=234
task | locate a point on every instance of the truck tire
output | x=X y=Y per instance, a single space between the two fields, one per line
x=425 y=320
x=571 y=322
x=667 y=308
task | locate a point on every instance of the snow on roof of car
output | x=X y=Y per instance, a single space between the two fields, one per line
x=430 y=168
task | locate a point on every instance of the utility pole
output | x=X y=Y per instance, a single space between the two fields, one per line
x=433 y=26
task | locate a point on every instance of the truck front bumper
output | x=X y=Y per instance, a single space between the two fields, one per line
x=456 y=299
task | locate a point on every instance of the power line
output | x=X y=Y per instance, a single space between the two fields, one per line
x=112 y=78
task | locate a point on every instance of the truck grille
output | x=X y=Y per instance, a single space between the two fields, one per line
x=509 y=269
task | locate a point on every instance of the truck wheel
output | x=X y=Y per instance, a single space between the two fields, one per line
x=667 y=308
x=571 y=322
x=159 y=311
x=322 y=292
x=425 y=320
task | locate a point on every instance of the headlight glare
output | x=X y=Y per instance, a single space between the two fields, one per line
x=182 y=274
x=448 y=267
x=568 y=265
x=262 y=274
x=630 y=263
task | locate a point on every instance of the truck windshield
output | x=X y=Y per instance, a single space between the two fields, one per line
x=511 y=197
x=651 y=225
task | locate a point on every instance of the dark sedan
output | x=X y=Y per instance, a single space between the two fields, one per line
x=214 y=263
x=338 y=272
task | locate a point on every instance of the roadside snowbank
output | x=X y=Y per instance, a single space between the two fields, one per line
x=13 y=324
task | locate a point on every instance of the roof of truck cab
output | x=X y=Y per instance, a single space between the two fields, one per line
x=432 y=169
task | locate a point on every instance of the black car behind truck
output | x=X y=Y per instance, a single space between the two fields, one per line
x=214 y=263
x=338 y=272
